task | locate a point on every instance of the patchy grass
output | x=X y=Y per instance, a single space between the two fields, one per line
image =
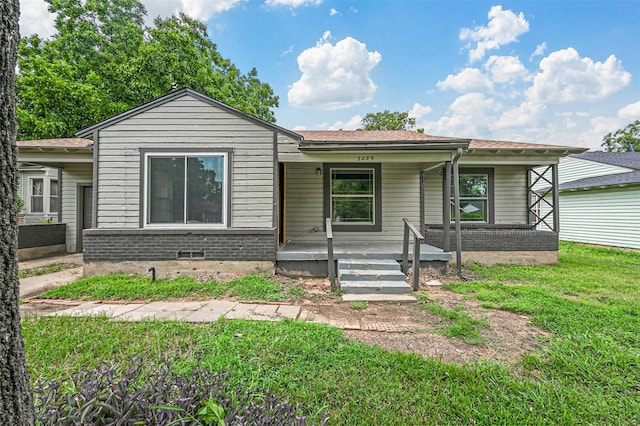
x=588 y=372
x=127 y=288
x=358 y=305
x=458 y=324
x=47 y=269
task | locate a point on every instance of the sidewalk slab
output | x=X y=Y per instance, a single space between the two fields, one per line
x=210 y=311
x=242 y=311
x=162 y=311
x=98 y=309
x=34 y=286
x=288 y=311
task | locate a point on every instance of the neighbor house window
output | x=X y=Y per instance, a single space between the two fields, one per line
x=352 y=197
x=186 y=189
x=37 y=195
x=475 y=196
x=54 y=200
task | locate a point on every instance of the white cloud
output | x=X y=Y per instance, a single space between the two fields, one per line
x=505 y=69
x=566 y=77
x=200 y=9
x=334 y=76
x=469 y=79
x=469 y=115
x=527 y=114
x=333 y=12
x=35 y=18
x=630 y=112
x=353 y=123
x=504 y=27
x=418 y=111
x=292 y=3
x=540 y=49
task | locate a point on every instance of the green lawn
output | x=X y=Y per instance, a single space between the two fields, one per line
x=589 y=372
x=128 y=287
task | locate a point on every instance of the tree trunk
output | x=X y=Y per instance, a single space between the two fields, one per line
x=16 y=401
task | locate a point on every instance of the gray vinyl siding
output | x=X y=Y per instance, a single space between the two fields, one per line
x=608 y=217
x=304 y=195
x=510 y=195
x=72 y=175
x=190 y=124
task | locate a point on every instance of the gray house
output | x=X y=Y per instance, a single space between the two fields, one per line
x=600 y=198
x=188 y=185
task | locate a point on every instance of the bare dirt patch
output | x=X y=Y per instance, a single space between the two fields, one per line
x=410 y=328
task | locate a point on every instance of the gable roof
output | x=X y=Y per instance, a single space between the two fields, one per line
x=630 y=160
x=88 y=132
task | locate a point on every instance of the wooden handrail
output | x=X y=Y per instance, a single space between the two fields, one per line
x=418 y=238
x=331 y=266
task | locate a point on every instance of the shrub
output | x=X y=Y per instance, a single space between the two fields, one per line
x=117 y=393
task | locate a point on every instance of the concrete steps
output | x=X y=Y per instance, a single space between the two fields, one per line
x=371 y=276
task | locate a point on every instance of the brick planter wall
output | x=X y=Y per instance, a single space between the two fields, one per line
x=30 y=236
x=117 y=245
x=497 y=239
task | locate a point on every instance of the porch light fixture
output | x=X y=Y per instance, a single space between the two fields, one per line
x=319 y=171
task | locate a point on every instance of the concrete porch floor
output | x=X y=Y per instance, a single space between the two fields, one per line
x=317 y=251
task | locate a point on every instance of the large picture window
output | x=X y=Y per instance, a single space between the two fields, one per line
x=186 y=189
x=352 y=197
x=475 y=195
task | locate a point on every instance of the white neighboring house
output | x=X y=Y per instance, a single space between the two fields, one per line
x=39 y=188
x=600 y=198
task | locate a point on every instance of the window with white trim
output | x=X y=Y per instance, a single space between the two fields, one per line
x=37 y=196
x=54 y=200
x=188 y=190
x=352 y=197
x=474 y=197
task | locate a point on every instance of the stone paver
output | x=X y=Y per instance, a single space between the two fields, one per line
x=99 y=309
x=161 y=311
x=288 y=311
x=211 y=311
x=241 y=311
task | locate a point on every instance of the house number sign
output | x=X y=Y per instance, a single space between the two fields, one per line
x=364 y=157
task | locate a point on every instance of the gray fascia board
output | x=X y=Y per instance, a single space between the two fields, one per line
x=386 y=146
x=175 y=95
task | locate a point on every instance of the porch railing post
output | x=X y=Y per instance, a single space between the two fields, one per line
x=331 y=266
x=417 y=242
x=418 y=238
x=405 y=248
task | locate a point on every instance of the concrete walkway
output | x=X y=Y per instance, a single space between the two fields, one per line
x=195 y=312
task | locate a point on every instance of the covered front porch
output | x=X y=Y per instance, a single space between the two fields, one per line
x=311 y=258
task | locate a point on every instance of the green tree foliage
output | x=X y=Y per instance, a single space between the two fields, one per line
x=619 y=140
x=103 y=61
x=388 y=120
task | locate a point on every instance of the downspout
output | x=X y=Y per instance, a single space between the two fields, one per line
x=456 y=196
x=422 y=204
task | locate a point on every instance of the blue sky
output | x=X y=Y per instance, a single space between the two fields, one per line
x=560 y=72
